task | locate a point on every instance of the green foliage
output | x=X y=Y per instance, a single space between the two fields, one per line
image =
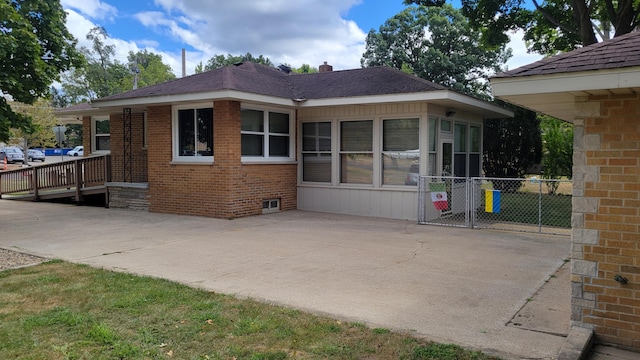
x=436 y=44
x=511 y=146
x=218 y=61
x=551 y=26
x=35 y=46
x=103 y=75
x=446 y=352
x=40 y=133
x=557 y=144
x=305 y=69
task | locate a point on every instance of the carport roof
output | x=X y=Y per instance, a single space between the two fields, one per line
x=551 y=85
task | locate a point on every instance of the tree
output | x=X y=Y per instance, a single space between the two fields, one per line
x=305 y=69
x=550 y=26
x=40 y=133
x=436 y=44
x=511 y=146
x=557 y=145
x=103 y=75
x=148 y=67
x=218 y=61
x=35 y=46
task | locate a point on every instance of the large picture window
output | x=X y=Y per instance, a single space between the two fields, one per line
x=265 y=134
x=101 y=135
x=400 y=150
x=194 y=133
x=316 y=151
x=356 y=152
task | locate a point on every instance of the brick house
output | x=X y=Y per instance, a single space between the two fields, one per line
x=597 y=88
x=248 y=139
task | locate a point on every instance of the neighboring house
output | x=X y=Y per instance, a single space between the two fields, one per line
x=249 y=139
x=597 y=88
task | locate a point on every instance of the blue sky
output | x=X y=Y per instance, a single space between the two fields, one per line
x=293 y=32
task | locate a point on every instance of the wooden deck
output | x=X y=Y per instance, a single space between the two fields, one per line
x=67 y=179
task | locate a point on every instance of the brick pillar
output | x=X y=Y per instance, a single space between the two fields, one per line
x=605 y=240
x=86 y=135
x=227 y=153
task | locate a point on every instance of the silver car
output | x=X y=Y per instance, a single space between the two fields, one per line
x=12 y=154
x=35 y=155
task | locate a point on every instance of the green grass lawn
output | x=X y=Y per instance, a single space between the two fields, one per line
x=59 y=310
x=522 y=207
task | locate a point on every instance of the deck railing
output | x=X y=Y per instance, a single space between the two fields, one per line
x=78 y=174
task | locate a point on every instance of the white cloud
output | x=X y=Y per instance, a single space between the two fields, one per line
x=296 y=33
x=94 y=9
x=292 y=32
x=520 y=55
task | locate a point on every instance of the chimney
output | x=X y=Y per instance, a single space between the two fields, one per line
x=325 y=67
x=184 y=63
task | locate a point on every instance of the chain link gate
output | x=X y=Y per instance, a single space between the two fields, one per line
x=527 y=205
x=443 y=200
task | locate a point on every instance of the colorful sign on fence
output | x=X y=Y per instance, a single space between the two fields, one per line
x=492 y=201
x=439 y=195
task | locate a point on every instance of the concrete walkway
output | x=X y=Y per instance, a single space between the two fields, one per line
x=470 y=287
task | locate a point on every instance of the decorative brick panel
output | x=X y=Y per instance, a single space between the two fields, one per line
x=606 y=220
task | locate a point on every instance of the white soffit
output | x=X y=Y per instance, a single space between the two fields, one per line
x=555 y=94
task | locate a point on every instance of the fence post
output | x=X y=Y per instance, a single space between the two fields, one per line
x=36 y=183
x=540 y=207
x=78 y=174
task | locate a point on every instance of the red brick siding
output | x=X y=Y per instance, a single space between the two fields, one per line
x=86 y=135
x=225 y=188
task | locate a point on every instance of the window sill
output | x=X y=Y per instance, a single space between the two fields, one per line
x=271 y=161
x=191 y=162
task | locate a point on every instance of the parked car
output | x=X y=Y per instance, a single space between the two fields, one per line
x=12 y=154
x=76 y=151
x=35 y=155
x=413 y=175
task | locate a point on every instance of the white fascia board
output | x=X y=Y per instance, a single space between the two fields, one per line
x=567 y=82
x=441 y=95
x=433 y=96
x=195 y=97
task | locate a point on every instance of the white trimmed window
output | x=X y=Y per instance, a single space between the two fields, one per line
x=356 y=152
x=101 y=135
x=316 y=151
x=193 y=134
x=400 y=151
x=266 y=135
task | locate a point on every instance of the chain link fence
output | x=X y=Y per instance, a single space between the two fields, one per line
x=528 y=205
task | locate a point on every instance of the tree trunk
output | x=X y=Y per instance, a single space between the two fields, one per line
x=581 y=11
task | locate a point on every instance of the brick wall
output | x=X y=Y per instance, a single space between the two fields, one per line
x=138 y=152
x=86 y=135
x=225 y=188
x=606 y=218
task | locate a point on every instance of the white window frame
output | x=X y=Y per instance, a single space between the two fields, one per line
x=266 y=158
x=94 y=135
x=175 y=136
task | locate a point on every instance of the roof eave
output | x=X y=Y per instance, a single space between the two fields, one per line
x=194 y=97
x=555 y=94
x=443 y=97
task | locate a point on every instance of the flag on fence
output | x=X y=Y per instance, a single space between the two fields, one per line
x=492 y=201
x=439 y=195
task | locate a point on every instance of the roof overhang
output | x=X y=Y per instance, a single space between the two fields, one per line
x=445 y=98
x=555 y=94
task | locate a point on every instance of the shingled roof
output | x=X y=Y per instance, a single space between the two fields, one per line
x=265 y=80
x=619 y=52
